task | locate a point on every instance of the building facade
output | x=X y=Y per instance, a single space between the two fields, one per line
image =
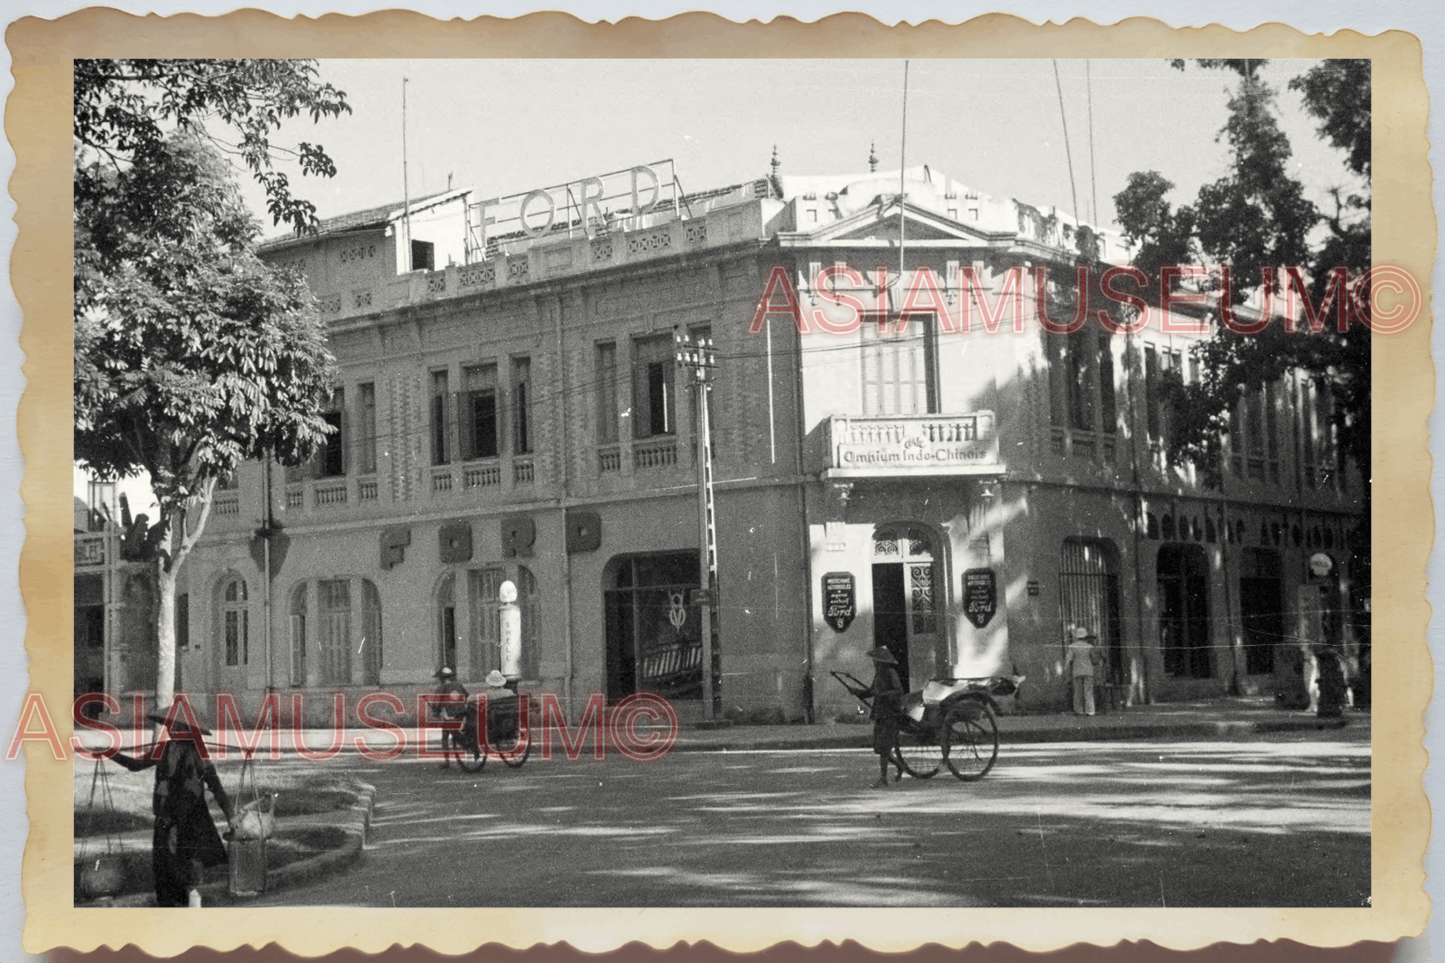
x=900 y=457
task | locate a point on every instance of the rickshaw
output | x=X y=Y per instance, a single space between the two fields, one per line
x=949 y=722
x=506 y=737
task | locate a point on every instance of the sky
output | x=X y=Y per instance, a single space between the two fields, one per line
x=508 y=126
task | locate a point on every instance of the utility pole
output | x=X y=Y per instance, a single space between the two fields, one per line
x=700 y=358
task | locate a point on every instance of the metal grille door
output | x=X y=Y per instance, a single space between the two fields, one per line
x=1089 y=597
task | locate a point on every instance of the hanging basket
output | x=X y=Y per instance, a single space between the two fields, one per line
x=247 y=860
x=100 y=874
x=254 y=823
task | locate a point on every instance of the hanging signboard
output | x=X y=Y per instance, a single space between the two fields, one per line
x=980 y=596
x=839 y=600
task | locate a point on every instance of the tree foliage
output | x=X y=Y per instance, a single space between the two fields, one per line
x=125 y=110
x=191 y=354
x=1256 y=220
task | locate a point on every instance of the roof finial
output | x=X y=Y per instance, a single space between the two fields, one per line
x=873 y=157
x=776 y=163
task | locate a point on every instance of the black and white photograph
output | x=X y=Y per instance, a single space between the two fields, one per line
x=813 y=484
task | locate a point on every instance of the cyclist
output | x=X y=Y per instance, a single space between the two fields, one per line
x=451 y=703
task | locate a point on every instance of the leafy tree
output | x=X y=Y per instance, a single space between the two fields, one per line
x=126 y=109
x=1257 y=218
x=1256 y=221
x=191 y=355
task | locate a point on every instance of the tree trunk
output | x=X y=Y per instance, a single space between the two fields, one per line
x=165 y=634
x=177 y=543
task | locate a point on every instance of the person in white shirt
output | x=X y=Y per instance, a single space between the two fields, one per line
x=1079 y=660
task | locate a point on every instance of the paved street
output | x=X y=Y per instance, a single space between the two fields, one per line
x=1276 y=821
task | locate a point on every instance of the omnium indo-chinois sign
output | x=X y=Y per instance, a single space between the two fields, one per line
x=964 y=444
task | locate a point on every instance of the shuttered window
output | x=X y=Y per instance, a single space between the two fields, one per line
x=898 y=374
x=607 y=393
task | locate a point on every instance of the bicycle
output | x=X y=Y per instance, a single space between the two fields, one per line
x=505 y=737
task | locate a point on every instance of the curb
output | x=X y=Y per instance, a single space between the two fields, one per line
x=1218 y=729
x=356 y=825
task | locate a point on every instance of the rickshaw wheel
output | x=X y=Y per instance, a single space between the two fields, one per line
x=511 y=754
x=919 y=753
x=468 y=756
x=969 y=739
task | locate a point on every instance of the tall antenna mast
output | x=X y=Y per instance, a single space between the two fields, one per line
x=902 y=174
x=1068 y=154
x=405 y=185
x=1093 y=180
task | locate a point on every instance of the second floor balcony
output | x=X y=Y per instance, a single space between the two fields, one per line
x=916 y=445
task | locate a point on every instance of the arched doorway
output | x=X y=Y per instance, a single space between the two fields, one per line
x=1184 y=630
x=1089 y=598
x=653 y=639
x=1261 y=608
x=905 y=596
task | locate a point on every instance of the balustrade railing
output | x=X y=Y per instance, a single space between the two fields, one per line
x=482 y=476
x=655 y=453
x=329 y=492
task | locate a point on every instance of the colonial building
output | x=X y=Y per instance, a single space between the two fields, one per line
x=902 y=454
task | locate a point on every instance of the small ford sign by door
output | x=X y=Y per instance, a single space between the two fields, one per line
x=839 y=600
x=980 y=596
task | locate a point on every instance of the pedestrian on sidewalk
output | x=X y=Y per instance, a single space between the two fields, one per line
x=887 y=692
x=1330 y=678
x=184 y=841
x=1079 y=660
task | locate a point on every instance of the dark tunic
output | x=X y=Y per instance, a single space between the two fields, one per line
x=1331 y=682
x=451 y=703
x=184 y=840
x=887 y=689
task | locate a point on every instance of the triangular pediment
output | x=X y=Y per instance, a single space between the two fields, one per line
x=879 y=222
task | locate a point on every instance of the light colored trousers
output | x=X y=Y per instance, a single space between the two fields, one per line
x=1084 y=694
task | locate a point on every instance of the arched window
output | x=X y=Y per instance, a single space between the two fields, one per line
x=235 y=628
x=484 y=643
x=483 y=591
x=371 y=637
x=333 y=611
x=298 y=635
x=346 y=624
x=447 y=621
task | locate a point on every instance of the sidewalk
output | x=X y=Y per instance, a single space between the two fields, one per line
x=1219 y=719
x=1215 y=719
